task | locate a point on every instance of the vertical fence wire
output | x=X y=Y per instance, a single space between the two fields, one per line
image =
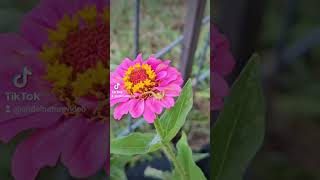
x=136 y=27
x=135 y=46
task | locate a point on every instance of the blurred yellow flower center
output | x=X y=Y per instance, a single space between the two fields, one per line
x=77 y=54
x=139 y=79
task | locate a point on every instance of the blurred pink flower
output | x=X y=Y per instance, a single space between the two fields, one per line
x=64 y=44
x=222 y=63
x=144 y=88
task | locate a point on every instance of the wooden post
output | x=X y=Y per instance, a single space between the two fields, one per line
x=191 y=33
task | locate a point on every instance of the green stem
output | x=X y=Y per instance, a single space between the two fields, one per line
x=170 y=153
x=169 y=150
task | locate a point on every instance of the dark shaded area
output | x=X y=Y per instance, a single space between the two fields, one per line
x=241 y=23
x=285 y=33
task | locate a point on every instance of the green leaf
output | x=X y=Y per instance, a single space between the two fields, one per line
x=135 y=143
x=117 y=167
x=173 y=119
x=239 y=130
x=193 y=172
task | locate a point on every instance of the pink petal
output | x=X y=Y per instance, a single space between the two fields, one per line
x=121 y=110
x=121 y=71
x=40 y=149
x=29 y=28
x=11 y=127
x=80 y=127
x=118 y=100
x=136 y=107
x=170 y=90
x=173 y=77
x=149 y=115
x=224 y=62
x=88 y=102
x=219 y=86
x=178 y=81
x=161 y=67
x=217 y=103
x=161 y=75
x=115 y=78
x=153 y=62
x=13 y=44
x=154 y=105
x=86 y=150
x=167 y=102
x=168 y=79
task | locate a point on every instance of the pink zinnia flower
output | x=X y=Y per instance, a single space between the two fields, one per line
x=144 y=88
x=64 y=44
x=222 y=63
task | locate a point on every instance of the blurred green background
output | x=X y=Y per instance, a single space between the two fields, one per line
x=292 y=143
x=291 y=150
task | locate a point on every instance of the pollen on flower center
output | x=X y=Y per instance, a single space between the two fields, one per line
x=139 y=79
x=82 y=49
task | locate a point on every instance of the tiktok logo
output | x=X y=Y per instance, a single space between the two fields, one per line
x=116 y=86
x=21 y=80
x=116 y=93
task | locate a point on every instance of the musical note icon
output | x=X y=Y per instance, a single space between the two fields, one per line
x=24 y=77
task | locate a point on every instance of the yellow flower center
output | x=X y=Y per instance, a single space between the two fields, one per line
x=139 y=79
